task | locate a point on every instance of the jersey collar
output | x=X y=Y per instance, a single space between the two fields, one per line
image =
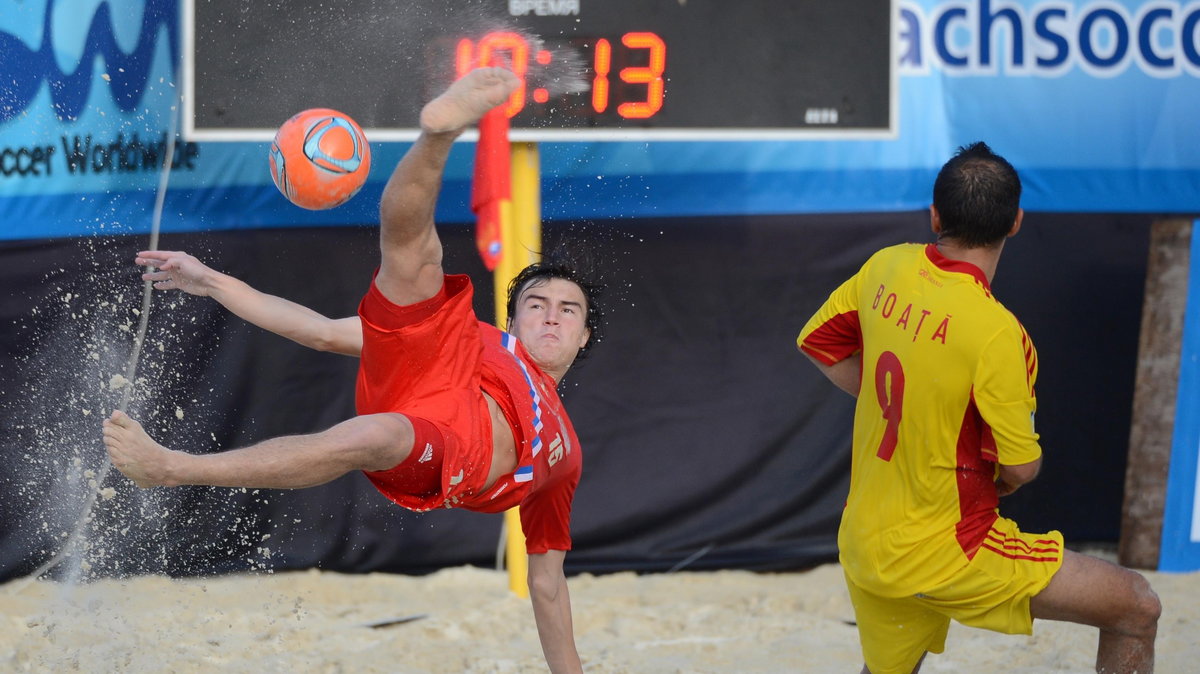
x=946 y=264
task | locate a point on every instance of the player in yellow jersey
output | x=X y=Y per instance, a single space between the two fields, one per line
x=944 y=426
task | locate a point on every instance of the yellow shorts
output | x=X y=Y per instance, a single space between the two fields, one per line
x=992 y=592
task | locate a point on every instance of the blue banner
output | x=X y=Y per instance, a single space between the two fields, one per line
x=1093 y=101
x=1180 y=549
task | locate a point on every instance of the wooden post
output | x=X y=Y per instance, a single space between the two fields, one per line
x=1155 y=389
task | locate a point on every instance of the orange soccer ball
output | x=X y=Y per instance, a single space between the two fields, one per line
x=319 y=159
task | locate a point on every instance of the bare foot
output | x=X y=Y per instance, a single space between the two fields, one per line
x=468 y=99
x=134 y=453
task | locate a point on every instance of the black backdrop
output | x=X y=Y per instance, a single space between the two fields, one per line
x=709 y=441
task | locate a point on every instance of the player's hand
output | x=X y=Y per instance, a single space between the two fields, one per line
x=176 y=270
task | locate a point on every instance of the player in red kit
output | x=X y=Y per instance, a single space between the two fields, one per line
x=452 y=412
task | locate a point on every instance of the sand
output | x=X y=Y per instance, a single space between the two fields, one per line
x=313 y=621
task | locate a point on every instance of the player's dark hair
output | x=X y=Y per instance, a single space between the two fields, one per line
x=977 y=194
x=541 y=272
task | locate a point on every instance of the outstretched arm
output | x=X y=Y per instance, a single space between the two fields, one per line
x=552 y=611
x=175 y=270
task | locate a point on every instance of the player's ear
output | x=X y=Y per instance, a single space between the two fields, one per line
x=1016 y=227
x=935 y=220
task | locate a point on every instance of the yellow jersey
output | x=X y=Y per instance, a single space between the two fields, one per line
x=947 y=392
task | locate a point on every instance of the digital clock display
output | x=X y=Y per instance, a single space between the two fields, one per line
x=596 y=83
x=591 y=69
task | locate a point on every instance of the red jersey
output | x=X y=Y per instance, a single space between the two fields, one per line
x=437 y=367
x=549 y=460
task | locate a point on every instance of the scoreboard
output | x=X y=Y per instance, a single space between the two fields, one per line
x=591 y=69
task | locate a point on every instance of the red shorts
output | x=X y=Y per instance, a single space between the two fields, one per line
x=424 y=361
x=421 y=473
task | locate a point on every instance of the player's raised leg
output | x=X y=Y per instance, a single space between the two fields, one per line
x=369 y=442
x=1116 y=600
x=411 y=253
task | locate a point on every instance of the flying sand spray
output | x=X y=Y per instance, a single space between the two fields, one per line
x=130 y=374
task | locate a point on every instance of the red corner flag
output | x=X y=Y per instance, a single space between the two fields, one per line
x=491 y=189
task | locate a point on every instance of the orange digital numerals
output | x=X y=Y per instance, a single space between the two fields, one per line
x=511 y=50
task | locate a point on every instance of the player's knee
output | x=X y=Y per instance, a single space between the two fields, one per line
x=1149 y=605
x=1142 y=614
x=544 y=584
x=374 y=441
